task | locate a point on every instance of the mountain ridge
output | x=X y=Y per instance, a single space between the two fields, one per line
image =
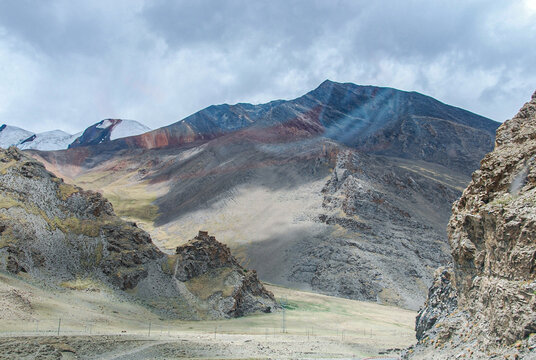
x=350 y=104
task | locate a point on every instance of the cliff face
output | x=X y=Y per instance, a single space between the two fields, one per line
x=63 y=236
x=492 y=233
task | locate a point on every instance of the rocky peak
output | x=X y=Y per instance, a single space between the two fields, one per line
x=204 y=257
x=202 y=254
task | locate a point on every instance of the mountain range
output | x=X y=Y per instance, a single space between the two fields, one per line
x=105 y=130
x=346 y=190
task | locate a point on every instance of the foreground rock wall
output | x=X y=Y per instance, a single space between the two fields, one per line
x=492 y=233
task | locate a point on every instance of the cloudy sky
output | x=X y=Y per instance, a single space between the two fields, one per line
x=68 y=64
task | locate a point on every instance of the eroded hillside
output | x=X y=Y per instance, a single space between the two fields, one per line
x=64 y=236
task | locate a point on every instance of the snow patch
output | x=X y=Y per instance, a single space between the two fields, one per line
x=12 y=135
x=50 y=140
x=128 y=128
x=105 y=124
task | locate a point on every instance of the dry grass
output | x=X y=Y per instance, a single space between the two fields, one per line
x=368 y=327
x=66 y=190
x=82 y=284
x=5 y=166
x=168 y=265
x=206 y=285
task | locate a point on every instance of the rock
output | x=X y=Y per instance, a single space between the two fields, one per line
x=441 y=301
x=204 y=258
x=200 y=255
x=492 y=235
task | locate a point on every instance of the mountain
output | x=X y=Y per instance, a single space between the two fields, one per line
x=484 y=305
x=372 y=119
x=23 y=139
x=47 y=141
x=12 y=135
x=103 y=131
x=60 y=236
x=108 y=130
x=346 y=190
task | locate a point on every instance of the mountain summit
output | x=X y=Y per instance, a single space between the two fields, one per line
x=108 y=130
x=369 y=118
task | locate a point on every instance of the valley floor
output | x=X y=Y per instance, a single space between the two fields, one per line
x=179 y=346
x=99 y=325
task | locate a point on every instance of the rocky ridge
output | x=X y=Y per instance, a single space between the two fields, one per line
x=63 y=236
x=492 y=235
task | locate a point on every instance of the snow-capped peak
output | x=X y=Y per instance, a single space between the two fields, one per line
x=48 y=141
x=12 y=135
x=127 y=128
x=103 y=131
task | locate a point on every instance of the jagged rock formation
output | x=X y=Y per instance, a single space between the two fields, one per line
x=235 y=289
x=58 y=234
x=389 y=234
x=492 y=233
x=442 y=300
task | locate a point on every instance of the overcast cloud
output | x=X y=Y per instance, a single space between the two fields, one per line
x=68 y=64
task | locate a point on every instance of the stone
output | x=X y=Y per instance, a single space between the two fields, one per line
x=492 y=234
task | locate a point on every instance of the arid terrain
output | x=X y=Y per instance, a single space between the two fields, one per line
x=99 y=325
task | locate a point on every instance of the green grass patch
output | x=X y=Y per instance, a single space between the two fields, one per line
x=304 y=306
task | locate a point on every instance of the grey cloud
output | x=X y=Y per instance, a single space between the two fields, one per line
x=73 y=63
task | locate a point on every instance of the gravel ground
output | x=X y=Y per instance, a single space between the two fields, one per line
x=184 y=346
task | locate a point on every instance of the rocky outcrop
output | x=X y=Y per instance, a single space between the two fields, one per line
x=56 y=233
x=442 y=300
x=389 y=219
x=492 y=234
x=202 y=254
x=204 y=257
